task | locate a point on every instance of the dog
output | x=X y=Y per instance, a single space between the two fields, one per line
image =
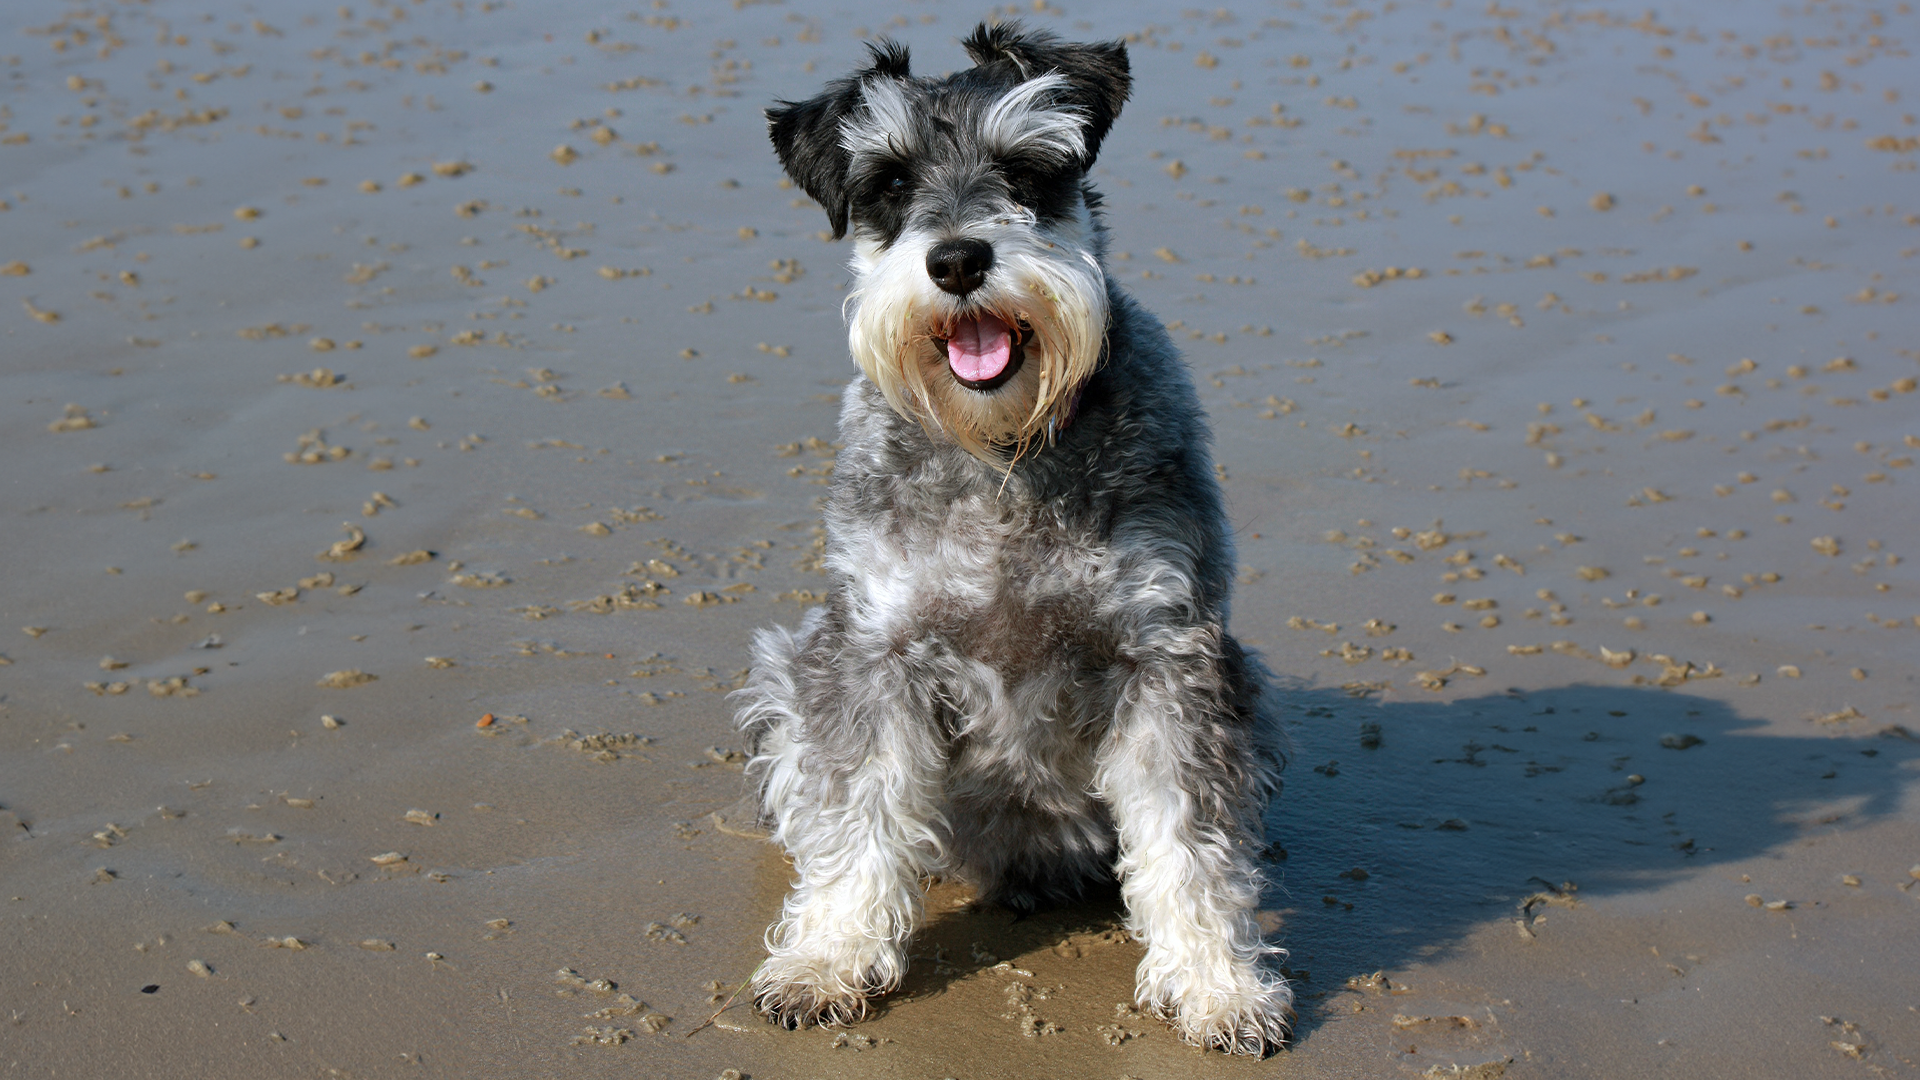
x=1021 y=675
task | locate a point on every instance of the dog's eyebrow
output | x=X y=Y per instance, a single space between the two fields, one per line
x=885 y=123
x=1026 y=118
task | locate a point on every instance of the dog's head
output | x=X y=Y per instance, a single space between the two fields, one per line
x=979 y=304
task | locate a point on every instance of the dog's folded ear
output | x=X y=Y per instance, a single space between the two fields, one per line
x=1097 y=73
x=806 y=134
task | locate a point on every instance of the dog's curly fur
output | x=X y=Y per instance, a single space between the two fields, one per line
x=1022 y=674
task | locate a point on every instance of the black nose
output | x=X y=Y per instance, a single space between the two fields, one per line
x=960 y=266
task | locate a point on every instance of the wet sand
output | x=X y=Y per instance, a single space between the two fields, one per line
x=1562 y=367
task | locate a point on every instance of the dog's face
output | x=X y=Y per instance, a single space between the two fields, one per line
x=979 y=303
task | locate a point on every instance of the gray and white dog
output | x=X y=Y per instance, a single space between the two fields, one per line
x=1022 y=674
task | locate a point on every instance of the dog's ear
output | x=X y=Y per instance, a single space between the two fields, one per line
x=1097 y=73
x=806 y=134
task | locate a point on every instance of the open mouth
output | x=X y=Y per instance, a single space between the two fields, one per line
x=983 y=352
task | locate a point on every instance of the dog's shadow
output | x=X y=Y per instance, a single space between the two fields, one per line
x=1404 y=827
x=1408 y=825
x=962 y=938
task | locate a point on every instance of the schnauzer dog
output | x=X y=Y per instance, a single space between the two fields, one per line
x=1022 y=675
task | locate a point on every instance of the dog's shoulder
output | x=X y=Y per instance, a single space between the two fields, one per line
x=1140 y=432
x=1143 y=456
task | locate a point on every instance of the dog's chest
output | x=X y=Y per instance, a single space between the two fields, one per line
x=1006 y=584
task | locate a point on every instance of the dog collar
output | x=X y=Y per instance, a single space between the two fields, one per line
x=1058 y=422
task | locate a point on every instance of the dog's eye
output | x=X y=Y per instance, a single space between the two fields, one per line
x=894 y=184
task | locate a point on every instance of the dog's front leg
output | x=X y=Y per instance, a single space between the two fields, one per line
x=854 y=797
x=1175 y=774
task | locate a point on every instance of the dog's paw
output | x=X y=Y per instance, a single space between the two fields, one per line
x=1254 y=1020
x=795 y=994
x=797 y=1005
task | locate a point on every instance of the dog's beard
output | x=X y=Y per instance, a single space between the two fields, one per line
x=1048 y=290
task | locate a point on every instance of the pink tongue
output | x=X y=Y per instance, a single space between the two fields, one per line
x=979 y=348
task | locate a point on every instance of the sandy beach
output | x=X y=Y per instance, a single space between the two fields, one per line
x=410 y=409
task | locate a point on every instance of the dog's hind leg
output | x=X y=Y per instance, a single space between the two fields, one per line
x=850 y=783
x=1180 y=775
